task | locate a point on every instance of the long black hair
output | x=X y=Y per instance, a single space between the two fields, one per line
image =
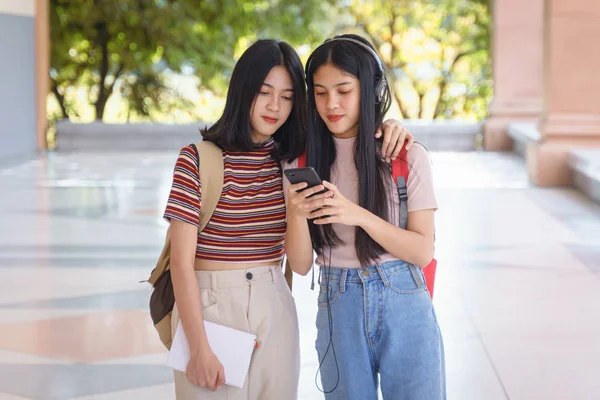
x=232 y=131
x=373 y=172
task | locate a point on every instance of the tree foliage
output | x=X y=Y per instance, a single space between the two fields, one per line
x=437 y=53
x=101 y=44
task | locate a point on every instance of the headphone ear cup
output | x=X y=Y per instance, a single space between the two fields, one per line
x=380 y=89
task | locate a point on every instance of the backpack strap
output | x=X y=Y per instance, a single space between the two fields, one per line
x=302 y=160
x=210 y=167
x=400 y=170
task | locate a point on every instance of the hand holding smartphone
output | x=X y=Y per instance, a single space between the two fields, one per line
x=307 y=174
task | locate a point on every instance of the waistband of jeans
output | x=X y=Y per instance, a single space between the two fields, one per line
x=237 y=278
x=369 y=273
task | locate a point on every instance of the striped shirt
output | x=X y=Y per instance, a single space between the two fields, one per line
x=249 y=222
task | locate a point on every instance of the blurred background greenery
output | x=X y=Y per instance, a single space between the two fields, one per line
x=170 y=60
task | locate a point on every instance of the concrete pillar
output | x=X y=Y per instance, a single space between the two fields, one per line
x=571 y=116
x=517 y=58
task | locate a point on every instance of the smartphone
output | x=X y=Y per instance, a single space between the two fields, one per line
x=307 y=174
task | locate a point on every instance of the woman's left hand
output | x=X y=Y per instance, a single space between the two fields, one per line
x=336 y=209
x=394 y=137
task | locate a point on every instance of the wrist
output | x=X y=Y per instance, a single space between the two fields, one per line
x=295 y=217
x=365 y=219
x=199 y=346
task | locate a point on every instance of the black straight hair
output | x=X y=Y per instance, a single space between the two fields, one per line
x=233 y=131
x=373 y=172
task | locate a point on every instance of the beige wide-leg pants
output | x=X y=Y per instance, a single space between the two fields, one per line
x=255 y=300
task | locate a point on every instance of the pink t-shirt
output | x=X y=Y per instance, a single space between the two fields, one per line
x=345 y=176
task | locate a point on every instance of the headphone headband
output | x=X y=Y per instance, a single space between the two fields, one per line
x=358 y=42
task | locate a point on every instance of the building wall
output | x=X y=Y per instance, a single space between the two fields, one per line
x=17 y=78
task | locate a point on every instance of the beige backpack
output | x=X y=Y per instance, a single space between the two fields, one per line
x=162 y=300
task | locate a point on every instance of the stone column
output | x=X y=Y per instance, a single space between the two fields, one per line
x=571 y=116
x=517 y=56
x=42 y=69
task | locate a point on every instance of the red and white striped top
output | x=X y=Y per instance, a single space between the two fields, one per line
x=249 y=222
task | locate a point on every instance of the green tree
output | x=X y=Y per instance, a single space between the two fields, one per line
x=437 y=52
x=97 y=43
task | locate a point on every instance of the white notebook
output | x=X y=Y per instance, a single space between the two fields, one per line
x=232 y=347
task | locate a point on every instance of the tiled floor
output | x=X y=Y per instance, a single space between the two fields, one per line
x=517 y=292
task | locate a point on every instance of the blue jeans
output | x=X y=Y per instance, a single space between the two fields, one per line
x=383 y=327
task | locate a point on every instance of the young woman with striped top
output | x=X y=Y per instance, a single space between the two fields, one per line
x=230 y=273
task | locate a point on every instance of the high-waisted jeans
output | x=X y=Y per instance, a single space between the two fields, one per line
x=384 y=331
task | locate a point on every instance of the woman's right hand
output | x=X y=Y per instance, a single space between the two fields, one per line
x=298 y=198
x=205 y=369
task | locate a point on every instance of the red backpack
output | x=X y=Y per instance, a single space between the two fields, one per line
x=400 y=172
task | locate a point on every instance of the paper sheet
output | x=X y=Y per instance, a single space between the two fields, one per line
x=232 y=347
